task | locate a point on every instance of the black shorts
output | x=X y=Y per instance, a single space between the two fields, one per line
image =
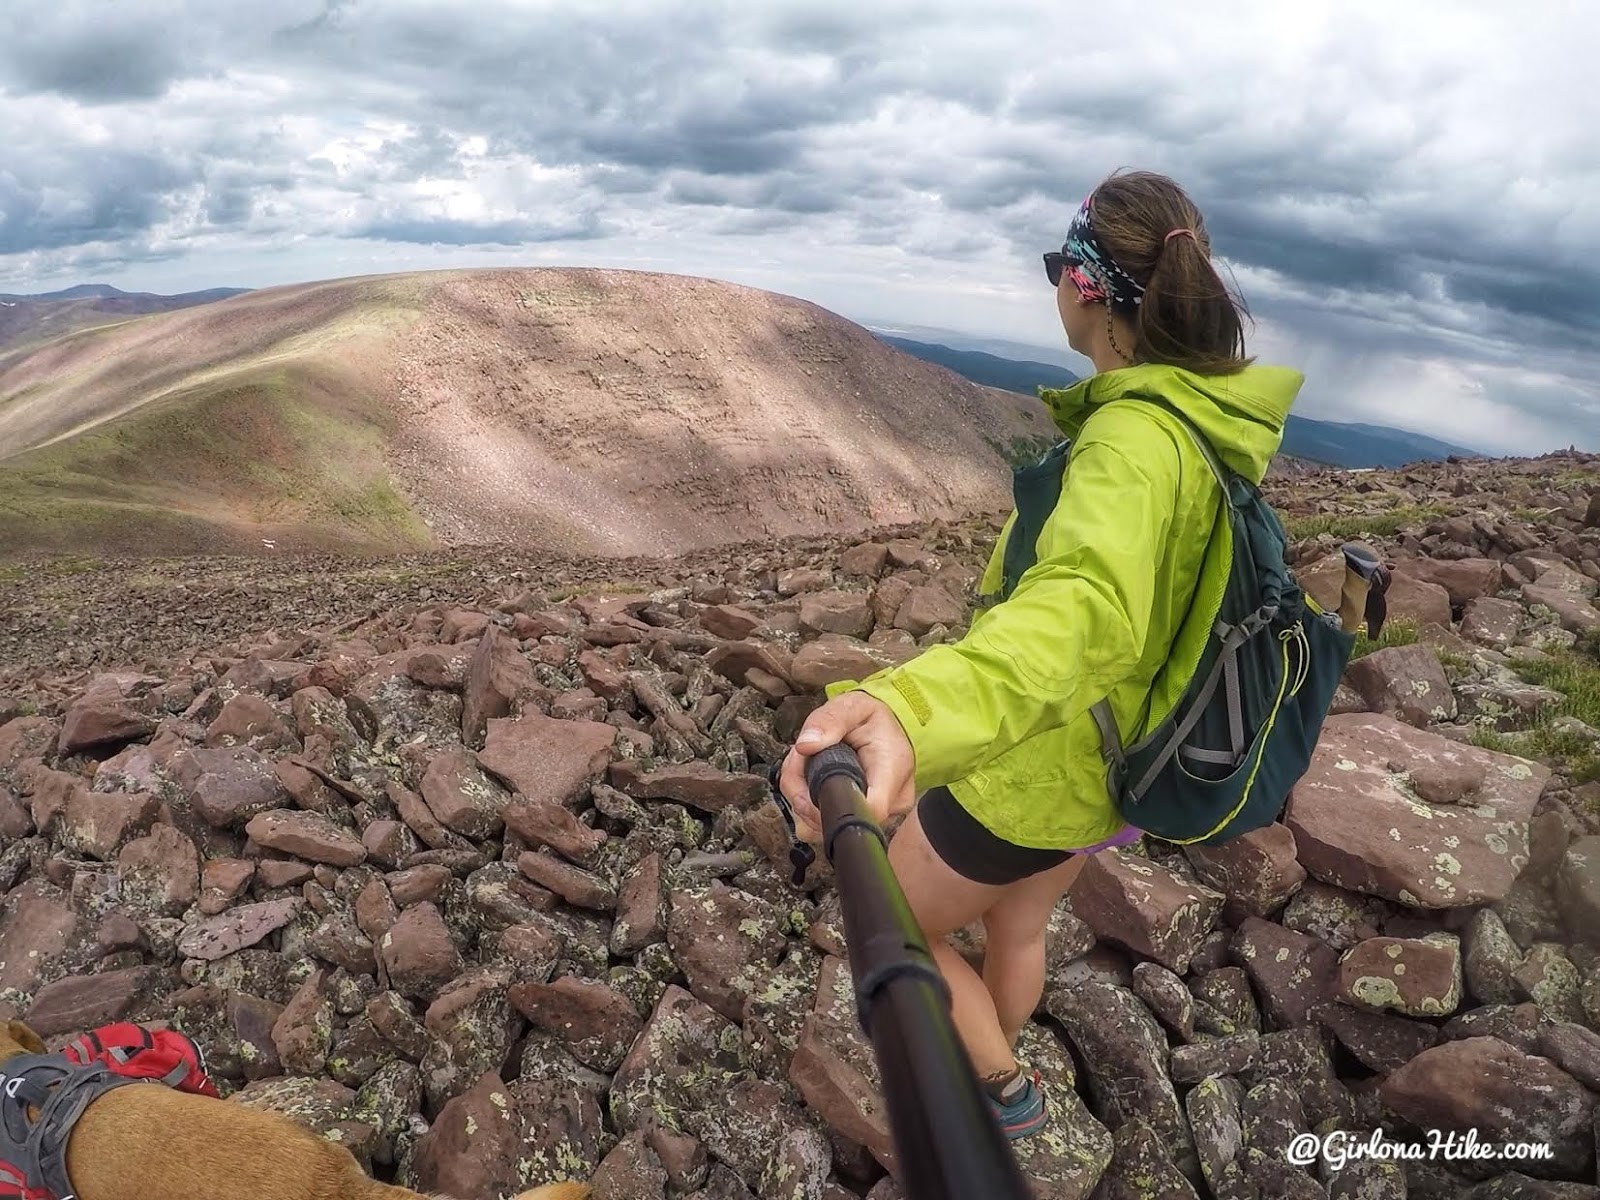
x=970 y=850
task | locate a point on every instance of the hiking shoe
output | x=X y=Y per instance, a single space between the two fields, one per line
x=1024 y=1115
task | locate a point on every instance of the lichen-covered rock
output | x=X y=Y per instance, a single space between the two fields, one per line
x=1218 y=1056
x=87 y=1001
x=543 y=822
x=1578 y=887
x=1484 y=1084
x=303 y=1033
x=1405 y=681
x=1549 y=978
x=573 y=884
x=1140 y=1168
x=1125 y=1059
x=726 y=942
x=160 y=873
x=1491 y=960
x=237 y=929
x=1334 y=915
x=684 y=1061
x=320 y=1105
x=1224 y=1003
x=471 y=1028
x=1420 y=977
x=1272 y=1118
x=474 y=1145
x=1300 y=1057
x=630 y=1172
x=1360 y=824
x=1133 y=902
x=1574 y=1049
x=1292 y=972
x=1167 y=997
x=1257 y=871
x=1213 y=1110
x=1381 y=1041
x=386 y=1102
x=99 y=824
x=597 y=1024
x=463 y=797
x=229 y=787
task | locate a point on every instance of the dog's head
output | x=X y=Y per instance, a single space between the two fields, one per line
x=16 y=1038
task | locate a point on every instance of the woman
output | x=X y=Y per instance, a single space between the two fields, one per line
x=994 y=732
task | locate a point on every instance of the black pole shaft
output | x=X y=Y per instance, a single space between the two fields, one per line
x=948 y=1144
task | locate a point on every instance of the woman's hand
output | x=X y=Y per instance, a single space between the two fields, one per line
x=870 y=728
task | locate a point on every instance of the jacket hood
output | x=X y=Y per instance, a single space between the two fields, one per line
x=1242 y=415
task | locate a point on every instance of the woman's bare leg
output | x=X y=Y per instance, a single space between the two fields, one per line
x=942 y=902
x=1014 y=930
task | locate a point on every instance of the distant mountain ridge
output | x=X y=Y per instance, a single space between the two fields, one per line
x=27 y=320
x=1330 y=443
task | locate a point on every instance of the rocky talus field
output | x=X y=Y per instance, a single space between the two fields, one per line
x=465 y=860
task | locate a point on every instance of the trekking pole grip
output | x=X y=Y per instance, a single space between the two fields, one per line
x=838 y=805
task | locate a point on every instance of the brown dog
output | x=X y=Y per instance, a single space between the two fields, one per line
x=144 y=1141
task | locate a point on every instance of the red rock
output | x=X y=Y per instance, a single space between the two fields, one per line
x=1133 y=902
x=729 y=621
x=726 y=942
x=104 y=716
x=88 y=1001
x=275 y=873
x=376 y=911
x=442 y=667
x=1464 y=579
x=473 y=1146
x=303 y=1033
x=417 y=953
x=604 y=677
x=833 y=1070
x=24 y=738
x=1419 y=977
x=269 y=677
x=99 y=824
x=498 y=677
x=228 y=787
x=391 y=1016
x=222 y=881
x=802 y=579
x=160 y=873
x=546 y=759
x=696 y=784
x=238 y=928
x=1257 y=871
x=419 y=818
x=389 y=843
x=926 y=607
x=462 y=625
x=249 y=720
x=639 y=909
x=472 y=1027
x=830 y=659
x=37 y=928
x=1481 y=1083
x=848 y=614
x=1293 y=973
x=309 y=836
x=867 y=559
x=252 y=1020
x=1360 y=825
x=306 y=786
x=1573 y=611
x=418 y=884
x=597 y=1024
x=573 y=884
x=735 y=660
x=910 y=553
x=546 y=823
x=1405 y=681
x=462 y=796
x=632 y=1171
x=16 y=822
x=1492 y=622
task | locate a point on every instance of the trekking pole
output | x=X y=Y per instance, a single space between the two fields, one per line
x=947 y=1141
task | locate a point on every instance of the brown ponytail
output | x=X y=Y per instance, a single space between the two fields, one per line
x=1188 y=318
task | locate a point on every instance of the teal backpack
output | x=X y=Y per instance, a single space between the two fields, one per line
x=1243 y=731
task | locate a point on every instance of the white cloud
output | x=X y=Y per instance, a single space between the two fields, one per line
x=1404 y=192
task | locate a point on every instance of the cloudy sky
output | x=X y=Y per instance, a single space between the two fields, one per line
x=1408 y=196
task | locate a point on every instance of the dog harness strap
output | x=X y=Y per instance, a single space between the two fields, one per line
x=61 y=1090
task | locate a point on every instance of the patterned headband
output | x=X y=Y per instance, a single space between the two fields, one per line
x=1092 y=269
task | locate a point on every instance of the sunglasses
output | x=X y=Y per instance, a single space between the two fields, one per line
x=1055 y=261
